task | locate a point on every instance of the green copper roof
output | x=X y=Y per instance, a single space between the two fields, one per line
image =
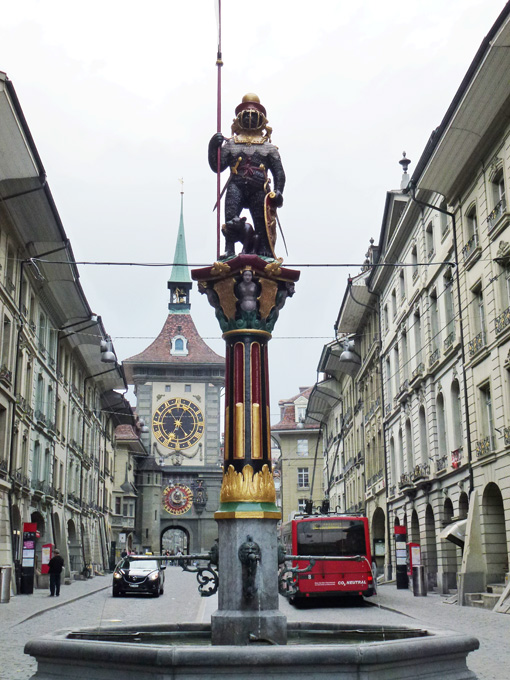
x=180 y=271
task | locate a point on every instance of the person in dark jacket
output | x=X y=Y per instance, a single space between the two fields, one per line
x=56 y=564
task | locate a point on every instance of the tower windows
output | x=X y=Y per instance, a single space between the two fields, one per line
x=179 y=346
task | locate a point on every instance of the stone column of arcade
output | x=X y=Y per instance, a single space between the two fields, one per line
x=247 y=293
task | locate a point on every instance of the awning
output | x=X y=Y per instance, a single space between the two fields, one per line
x=456 y=532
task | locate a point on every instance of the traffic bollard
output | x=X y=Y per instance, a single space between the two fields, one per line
x=5 y=584
x=419 y=585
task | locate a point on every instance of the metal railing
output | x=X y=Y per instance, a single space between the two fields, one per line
x=470 y=247
x=502 y=321
x=477 y=343
x=483 y=446
x=495 y=215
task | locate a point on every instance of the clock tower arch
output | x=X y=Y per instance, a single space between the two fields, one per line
x=177 y=381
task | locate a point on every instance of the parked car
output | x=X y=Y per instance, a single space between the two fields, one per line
x=134 y=574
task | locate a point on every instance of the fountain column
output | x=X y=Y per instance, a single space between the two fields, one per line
x=247 y=293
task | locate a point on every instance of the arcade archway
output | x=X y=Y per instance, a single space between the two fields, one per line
x=75 y=559
x=175 y=539
x=378 y=538
x=451 y=554
x=414 y=535
x=430 y=545
x=494 y=534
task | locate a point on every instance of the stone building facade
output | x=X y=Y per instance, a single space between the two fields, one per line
x=129 y=457
x=438 y=396
x=58 y=373
x=300 y=462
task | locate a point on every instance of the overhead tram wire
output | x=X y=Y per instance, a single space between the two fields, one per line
x=326 y=265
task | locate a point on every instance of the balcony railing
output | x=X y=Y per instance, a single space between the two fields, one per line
x=21 y=479
x=470 y=247
x=434 y=356
x=449 y=340
x=420 y=471
x=502 y=321
x=40 y=417
x=496 y=214
x=403 y=389
x=375 y=478
x=349 y=464
x=71 y=497
x=5 y=375
x=43 y=487
x=405 y=480
x=418 y=371
x=373 y=407
x=477 y=344
x=76 y=393
x=74 y=444
x=483 y=446
x=441 y=463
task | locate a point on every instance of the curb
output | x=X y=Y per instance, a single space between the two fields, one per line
x=60 y=604
x=377 y=605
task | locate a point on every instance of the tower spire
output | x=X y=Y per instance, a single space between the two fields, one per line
x=179 y=283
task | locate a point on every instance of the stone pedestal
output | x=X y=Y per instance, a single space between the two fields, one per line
x=240 y=620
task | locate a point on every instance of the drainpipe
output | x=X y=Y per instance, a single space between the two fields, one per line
x=411 y=189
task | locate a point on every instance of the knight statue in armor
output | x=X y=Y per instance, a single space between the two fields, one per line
x=251 y=156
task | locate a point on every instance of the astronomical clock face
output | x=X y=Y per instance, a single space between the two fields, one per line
x=177 y=499
x=178 y=424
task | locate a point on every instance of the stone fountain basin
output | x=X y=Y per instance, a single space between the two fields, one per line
x=182 y=652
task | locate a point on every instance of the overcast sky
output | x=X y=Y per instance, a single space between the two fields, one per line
x=121 y=101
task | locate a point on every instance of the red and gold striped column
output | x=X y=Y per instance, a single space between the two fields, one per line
x=247 y=321
x=248 y=486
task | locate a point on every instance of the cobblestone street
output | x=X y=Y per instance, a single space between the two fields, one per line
x=89 y=603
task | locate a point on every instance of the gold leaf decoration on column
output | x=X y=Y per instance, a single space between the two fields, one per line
x=248 y=486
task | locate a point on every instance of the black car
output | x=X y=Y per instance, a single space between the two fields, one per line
x=134 y=574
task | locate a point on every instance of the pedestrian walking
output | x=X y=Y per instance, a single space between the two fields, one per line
x=56 y=564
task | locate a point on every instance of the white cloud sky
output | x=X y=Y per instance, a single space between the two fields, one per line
x=121 y=101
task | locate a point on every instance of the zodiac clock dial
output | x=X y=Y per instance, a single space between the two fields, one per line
x=177 y=499
x=178 y=424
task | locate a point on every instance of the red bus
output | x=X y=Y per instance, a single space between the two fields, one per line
x=345 y=543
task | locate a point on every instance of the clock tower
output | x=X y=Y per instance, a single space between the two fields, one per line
x=177 y=381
